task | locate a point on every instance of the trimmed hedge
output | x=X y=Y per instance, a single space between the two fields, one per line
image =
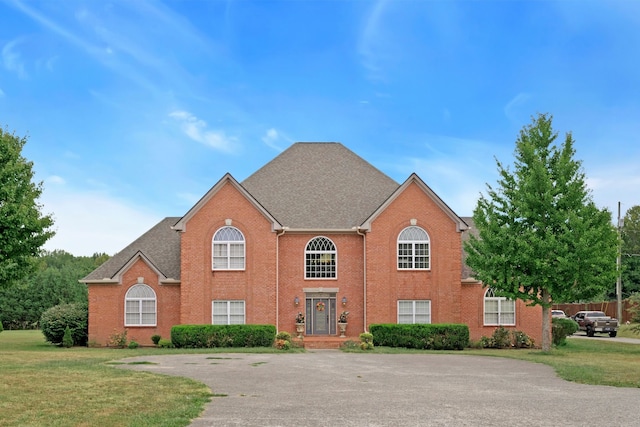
x=209 y=336
x=421 y=336
x=561 y=329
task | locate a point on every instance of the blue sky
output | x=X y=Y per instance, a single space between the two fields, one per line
x=134 y=109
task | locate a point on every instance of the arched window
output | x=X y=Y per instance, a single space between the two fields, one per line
x=140 y=306
x=498 y=310
x=228 y=249
x=320 y=259
x=413 y=249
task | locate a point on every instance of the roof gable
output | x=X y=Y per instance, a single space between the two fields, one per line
x=159 y=246
x=319 y=186
x=414 y=178
x=181 y=225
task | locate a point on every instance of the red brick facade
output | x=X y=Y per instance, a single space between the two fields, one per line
x=275 y=273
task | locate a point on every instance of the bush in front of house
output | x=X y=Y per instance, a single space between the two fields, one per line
x=55 y=320
x=209 y=336
x=445 y=336
x=561 y=329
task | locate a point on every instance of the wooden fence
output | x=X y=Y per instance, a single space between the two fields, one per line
x=610 y=308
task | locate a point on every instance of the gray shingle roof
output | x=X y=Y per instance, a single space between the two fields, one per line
x=319 y=186
x=161 y=245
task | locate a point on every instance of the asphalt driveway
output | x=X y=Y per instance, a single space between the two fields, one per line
x=329 y=387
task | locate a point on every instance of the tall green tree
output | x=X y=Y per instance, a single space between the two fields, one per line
x=630 y=232
x=23 y=227
x=54 y=282
x=541 y=239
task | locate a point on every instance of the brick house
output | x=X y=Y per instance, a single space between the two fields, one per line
x=317 y=230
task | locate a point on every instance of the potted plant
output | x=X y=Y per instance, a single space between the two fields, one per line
x=300 y=324
x=342 y=323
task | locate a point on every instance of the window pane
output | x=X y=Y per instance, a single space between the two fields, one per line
x=220 y=250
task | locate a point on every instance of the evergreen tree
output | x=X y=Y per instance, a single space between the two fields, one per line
x=541 y=239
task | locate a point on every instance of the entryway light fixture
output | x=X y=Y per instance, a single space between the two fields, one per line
x=296 y=300
x=344 y=300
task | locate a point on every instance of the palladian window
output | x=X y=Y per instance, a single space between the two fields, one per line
x=320 y=259
x=228 y=249
x=413 y=249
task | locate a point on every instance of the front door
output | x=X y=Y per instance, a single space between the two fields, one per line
x=321 y=311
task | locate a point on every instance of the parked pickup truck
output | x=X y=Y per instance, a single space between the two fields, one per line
x=596 y=321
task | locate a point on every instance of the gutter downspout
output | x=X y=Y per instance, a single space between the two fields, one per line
x=278 y=278
x=364 y=275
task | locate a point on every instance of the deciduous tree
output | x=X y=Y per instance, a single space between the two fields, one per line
x=23 y=227
x=541 y=239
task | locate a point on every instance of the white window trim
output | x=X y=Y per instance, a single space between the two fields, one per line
x=228 y=302
x=413 y=310
x=333 y=252
x=140 y=300
x=228 y=244
x=501 y=312
x=413 y=250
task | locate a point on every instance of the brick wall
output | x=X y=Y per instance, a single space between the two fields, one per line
x=386 y=284
x=256 y=285
x=106 y=307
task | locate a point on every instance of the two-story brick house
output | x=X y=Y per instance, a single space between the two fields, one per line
x=317 y=230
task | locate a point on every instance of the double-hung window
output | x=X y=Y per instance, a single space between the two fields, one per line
x=320 y=259
x=414 y=311
x=498 y=310
x=140 y=306
x=228 y=313
x=228 y=249
x=413 y=249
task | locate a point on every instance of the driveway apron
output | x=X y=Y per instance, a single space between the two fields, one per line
x=329 y=387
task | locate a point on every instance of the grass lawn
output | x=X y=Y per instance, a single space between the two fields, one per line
x=41 y=384
x=45 y=385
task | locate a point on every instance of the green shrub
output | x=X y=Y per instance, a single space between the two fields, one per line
x=133 y=345
x=521 y=340
x=165 y=343
x=1 y=328
x=209 y=336
x=421 y=336
x=118 y=339
x=67 y=339
x=282 y=344
x=55 y=320
x=366 y=341
x=283 y=335
x=155 y=339
x=561 y=328
x=501 y=338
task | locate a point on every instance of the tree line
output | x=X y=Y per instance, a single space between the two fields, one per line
x=54 y=282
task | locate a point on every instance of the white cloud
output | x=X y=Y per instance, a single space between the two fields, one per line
x=89 y=222
x=55 y=179
x=514 y=106
x=196 y=129
x=271 y=138
x=12 y=60
x=372 y=43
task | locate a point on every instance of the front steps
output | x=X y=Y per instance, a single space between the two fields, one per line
x=320 y=342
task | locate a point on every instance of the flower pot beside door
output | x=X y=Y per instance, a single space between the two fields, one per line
x=342 y=323
x=300 y=324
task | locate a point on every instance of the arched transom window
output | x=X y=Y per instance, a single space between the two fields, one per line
x=413 y=249
x=228 y=250
x=140 y=306
x=498 y=310
x=320 y=259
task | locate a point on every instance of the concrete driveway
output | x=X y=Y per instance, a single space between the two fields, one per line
x=329 y=387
